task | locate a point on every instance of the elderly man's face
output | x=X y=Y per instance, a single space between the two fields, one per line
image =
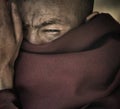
x=47 y=20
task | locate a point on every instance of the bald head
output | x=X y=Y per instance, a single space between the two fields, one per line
x=52 y=18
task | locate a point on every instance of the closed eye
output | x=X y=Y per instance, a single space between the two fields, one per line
x=51 y=30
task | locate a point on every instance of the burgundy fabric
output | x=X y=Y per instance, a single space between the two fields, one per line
x=72 y=71
x=80 y=70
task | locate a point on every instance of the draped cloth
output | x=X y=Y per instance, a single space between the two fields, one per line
x=80 y=70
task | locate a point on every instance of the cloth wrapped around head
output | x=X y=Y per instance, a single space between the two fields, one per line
x=79 y=69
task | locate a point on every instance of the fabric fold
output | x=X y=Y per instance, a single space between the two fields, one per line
x=77 y=70
x=79 y=38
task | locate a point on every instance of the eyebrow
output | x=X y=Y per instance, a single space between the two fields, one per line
x=47 y=23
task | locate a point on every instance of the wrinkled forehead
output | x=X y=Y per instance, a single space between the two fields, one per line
x=65 y=4
x=42 y=4
x=37 y=8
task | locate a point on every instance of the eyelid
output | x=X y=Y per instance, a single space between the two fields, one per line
x=50 y=30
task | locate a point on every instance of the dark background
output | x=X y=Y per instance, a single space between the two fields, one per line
x=108 y=6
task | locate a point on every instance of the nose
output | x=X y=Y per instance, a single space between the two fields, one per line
x=30 y=33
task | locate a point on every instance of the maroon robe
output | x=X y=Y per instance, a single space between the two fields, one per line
x=80 y=70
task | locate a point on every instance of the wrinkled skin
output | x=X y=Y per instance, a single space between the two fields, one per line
x=47 y=20
x=43 y=22
x=10 y=40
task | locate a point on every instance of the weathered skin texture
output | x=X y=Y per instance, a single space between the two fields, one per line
x=56 y=16
x=10 y=40
x=43 y=22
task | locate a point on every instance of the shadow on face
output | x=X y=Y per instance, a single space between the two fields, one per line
x=47 y=20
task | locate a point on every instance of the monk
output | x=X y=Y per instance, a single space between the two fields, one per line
x=69 y=56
